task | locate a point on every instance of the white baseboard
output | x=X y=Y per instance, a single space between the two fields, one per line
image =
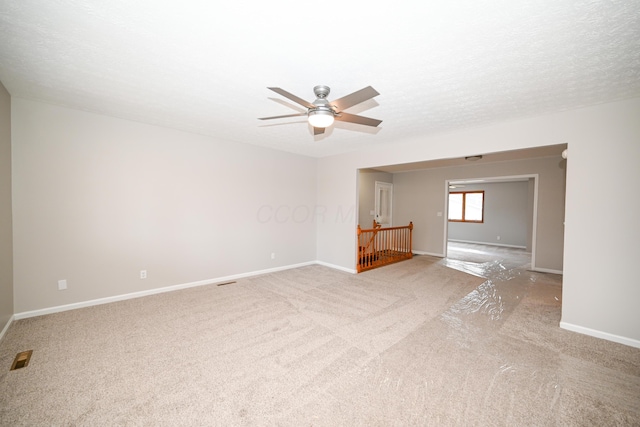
x=488 y=243
x=336 y=267
x=599 y=334
x=115 y=298
x=546 y=270
x=427 y=253
x=6 y=327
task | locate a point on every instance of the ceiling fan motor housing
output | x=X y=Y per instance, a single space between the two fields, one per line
x=321 y=104
x=321 y=91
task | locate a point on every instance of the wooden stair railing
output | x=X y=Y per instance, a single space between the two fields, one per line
x=376 y=226
x=382 y=246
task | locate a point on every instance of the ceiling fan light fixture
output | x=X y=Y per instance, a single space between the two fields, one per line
x=320 y=117
x=321 y=113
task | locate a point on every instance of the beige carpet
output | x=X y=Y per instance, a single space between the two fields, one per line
x=415 y=343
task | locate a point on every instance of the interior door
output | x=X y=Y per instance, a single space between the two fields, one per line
x=384 y=203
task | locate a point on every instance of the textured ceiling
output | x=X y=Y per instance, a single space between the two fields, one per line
x=204 y=66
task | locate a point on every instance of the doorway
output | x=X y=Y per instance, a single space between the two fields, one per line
x=384 y=204
x=509 y=221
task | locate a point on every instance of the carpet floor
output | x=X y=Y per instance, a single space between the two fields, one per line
x=423 y=342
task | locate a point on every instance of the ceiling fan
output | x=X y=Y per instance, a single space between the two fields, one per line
x=321 y=113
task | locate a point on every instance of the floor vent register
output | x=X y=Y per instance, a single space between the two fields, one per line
x=21 y=360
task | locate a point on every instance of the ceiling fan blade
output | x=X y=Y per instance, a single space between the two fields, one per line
x=352 y=118
x=281 y=117
x=354 y=98
x=292 y=97
x=318 y=131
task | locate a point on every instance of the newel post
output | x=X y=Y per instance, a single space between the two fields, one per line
x=411 y=238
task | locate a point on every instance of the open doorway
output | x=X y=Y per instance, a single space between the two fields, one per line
x=368 y=196
x=384 y=203
x=491 y=218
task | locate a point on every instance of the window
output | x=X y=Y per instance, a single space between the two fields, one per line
x=466 y=206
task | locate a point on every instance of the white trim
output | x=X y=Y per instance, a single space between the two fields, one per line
x=489 y=244
x=445 y=237
x=337 y=267
x=6 y=327
x=534 y=230
x=546 y=270
x=599 y=334
x=122 y=297
x=427 y=253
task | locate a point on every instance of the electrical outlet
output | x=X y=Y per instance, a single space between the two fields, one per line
x=273 y=255
x=143 y=274
x=62 y=285
x=498 y=238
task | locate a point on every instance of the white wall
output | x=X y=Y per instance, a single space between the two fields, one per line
x=600 y=291
x=6 y=223
x=97 y=199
